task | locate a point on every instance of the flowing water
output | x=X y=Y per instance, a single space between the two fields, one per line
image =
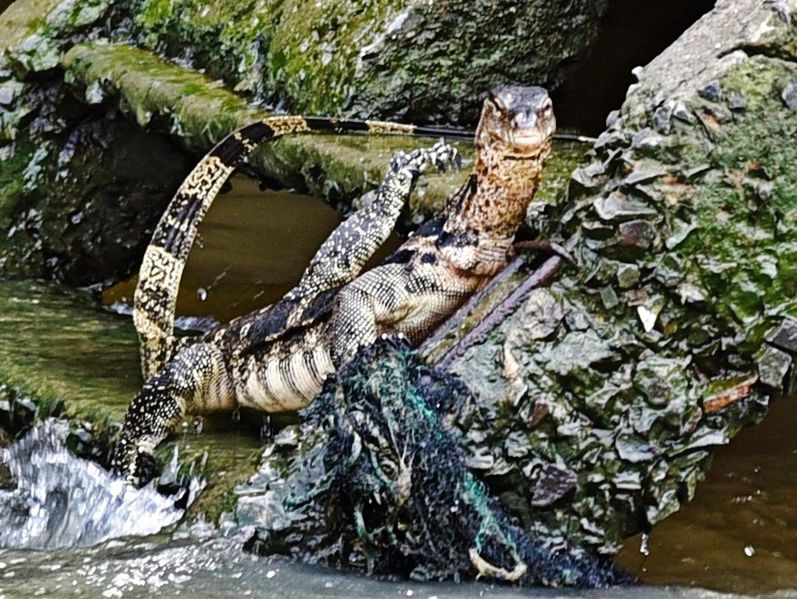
x=55 y=499
x=738 y=535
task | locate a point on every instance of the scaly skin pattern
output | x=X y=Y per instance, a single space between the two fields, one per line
x=276 y=359
x=164 y=259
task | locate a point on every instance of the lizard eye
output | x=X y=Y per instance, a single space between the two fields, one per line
x=497 y=102
x=546 y=109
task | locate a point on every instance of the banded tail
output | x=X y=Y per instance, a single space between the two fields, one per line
x=162 y=268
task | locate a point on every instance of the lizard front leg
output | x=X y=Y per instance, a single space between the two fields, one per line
x=194 y=381
x=342 y=256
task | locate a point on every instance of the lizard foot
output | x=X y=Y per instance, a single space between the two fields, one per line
x=544 y=245
x=442 y=155
x=134 y=463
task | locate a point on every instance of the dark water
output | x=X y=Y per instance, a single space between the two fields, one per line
x=740 y=532
x=196 y=565
x=253 y=246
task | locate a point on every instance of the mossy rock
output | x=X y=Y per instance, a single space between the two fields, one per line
x=387 y=59
x=80 y=206
x=111 y=55
x=603 y=394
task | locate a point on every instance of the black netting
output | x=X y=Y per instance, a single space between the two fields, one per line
x=379 y=483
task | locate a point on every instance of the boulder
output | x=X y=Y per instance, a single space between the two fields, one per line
x=419 y=61
x=76 y=78
x=601 y=397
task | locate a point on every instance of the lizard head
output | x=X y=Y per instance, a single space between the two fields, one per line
x=513 y=140
x=517 y=121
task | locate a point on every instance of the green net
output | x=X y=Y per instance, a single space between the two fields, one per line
x=378 y=483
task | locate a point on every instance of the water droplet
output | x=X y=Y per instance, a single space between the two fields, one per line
x=644 y=545
x=266 y=430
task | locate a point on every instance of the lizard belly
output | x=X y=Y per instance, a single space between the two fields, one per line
x=424 y=315
x=281 y=380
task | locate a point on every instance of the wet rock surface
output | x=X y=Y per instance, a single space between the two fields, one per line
x=79 y=201
x=198 y=112
x=601 y=397
x=80 y=206
x=396 y=59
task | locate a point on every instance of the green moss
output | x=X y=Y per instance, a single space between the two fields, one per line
x=225 y=38
x=12 y=183
x=153 y=13
x=326 y=57
x=748 y=215
x=201 y=112
x=54 y=345
x=316 y=47
x=71 y=359
x=21 y=19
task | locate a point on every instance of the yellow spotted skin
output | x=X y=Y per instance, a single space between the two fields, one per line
x=275 y=359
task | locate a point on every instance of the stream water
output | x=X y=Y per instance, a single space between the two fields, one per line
x=58 y=500
x=739 y=535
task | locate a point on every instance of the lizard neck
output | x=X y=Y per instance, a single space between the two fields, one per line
x=483 y=218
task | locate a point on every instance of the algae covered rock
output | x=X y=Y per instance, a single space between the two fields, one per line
x=142 y=58
x=601 y=396
x=391 y=58
x=79 y=188
x=79 y=204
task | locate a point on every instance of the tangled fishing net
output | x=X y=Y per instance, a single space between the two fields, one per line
x=374 y=480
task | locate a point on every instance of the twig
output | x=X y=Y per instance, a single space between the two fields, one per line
x=502 y=311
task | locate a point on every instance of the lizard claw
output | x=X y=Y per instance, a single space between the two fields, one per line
x=398 y=161
x=445 y=156
x=136 y=465
x=441 y=155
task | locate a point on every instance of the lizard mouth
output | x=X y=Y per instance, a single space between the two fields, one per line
x=527 y=140
x=525 y=145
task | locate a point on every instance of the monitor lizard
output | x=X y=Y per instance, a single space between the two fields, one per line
x=276 y=359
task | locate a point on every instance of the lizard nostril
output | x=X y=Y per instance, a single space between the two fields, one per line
x=525 y=120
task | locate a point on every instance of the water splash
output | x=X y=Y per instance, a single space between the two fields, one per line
x=61 y=500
